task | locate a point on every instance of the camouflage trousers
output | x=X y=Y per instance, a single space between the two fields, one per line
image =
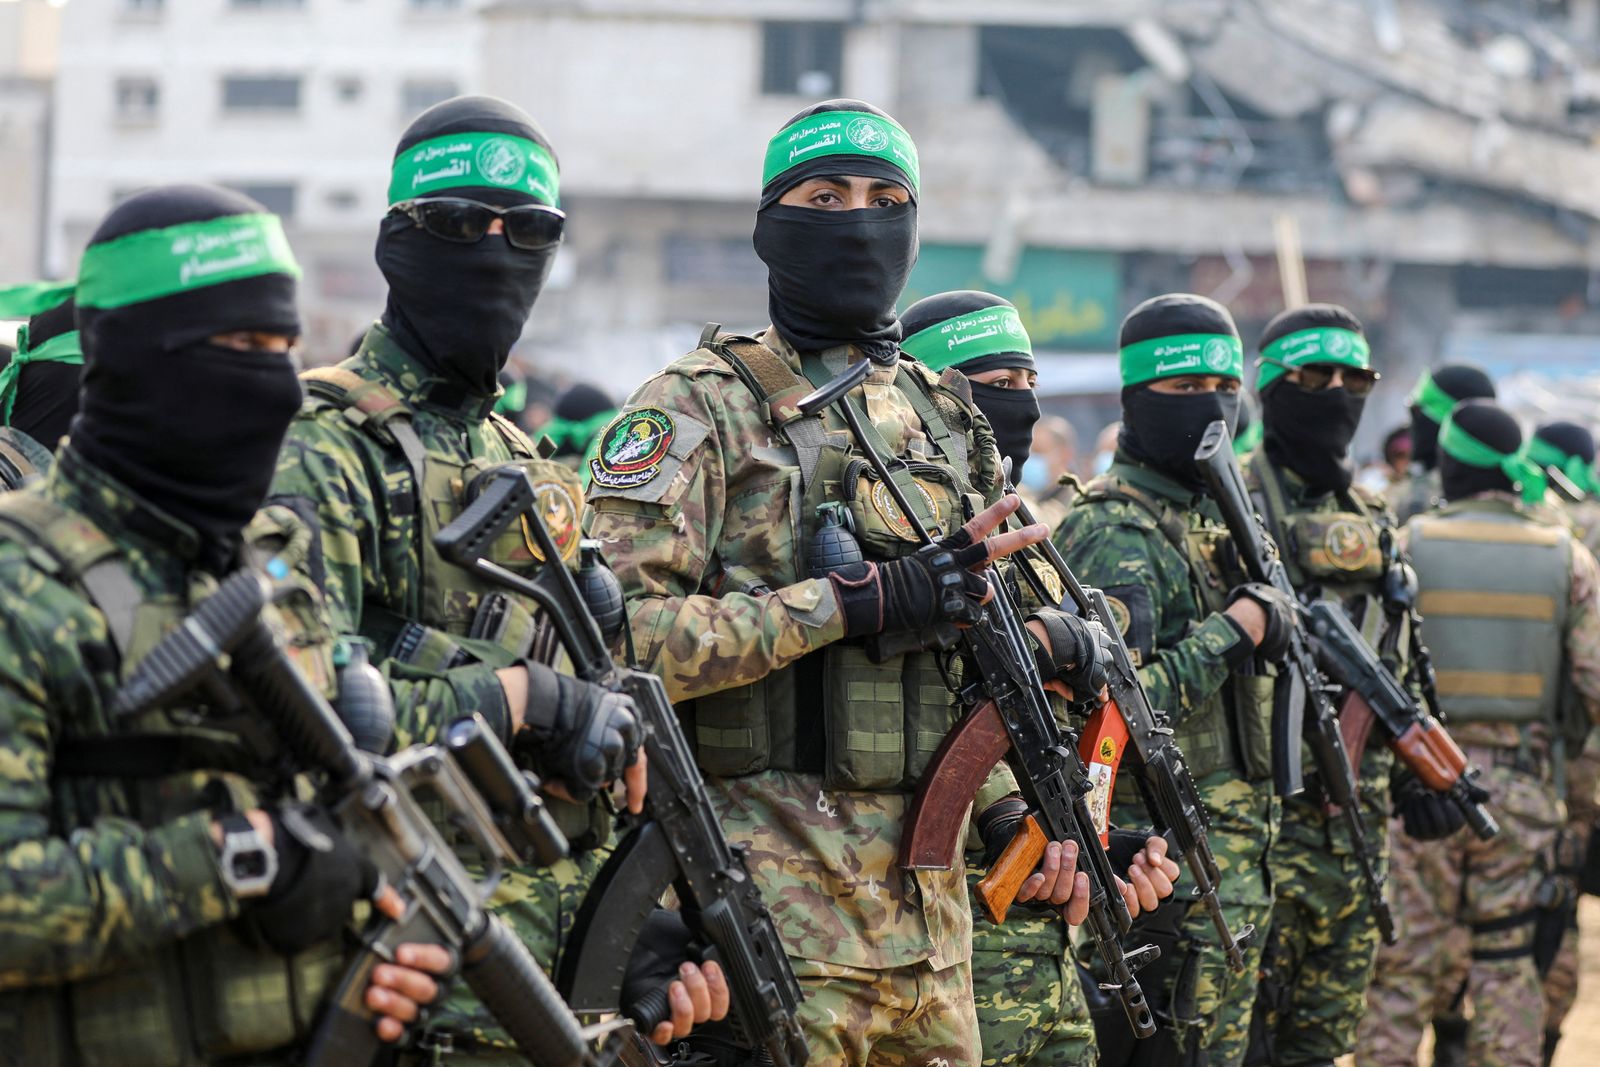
x=1464 y=910
x=1195 y=994
x=1031 y=1008
x=1561 y=984
x=911 y=1016
x=540 y=906
x=1319 y=957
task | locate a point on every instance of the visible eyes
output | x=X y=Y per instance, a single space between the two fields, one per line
x=827 y=198
x=886 y=200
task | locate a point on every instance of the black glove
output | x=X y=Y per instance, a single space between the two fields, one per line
x=320 y=877
x=575 y=732
x=998 y=824
x=1123 y=846
x=1281 y=610
x=931 y=587
x=1077 y=655
x=1428 y=816
x=665 y=944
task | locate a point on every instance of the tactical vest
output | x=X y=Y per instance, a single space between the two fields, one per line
x=1233 y=729
x=23 y=460
x=1495 y=590
x=881 y=722
x=212 y=996
x=462 y=617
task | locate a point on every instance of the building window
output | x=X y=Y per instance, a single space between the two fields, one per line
x=348 y=90
x=261 y=94
x=266 y=5
x=694 y=259
x=143 y=8
x=433 y=5
x=344 y=199
x=419 y=94
x=276 y=197
x=138 y=100
x=801 y=58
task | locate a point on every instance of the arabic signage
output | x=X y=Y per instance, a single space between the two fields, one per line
x=1066 y=299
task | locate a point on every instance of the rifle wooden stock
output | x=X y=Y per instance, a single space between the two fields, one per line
x=999 y=888
x=937 y=819
x=1356 y=719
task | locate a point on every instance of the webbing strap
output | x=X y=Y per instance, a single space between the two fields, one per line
x=371 y=407
x=1507 y=922
x=953 y=446
x=113 y=591
x=780 y=389
x=145 y=756
x=78 y=552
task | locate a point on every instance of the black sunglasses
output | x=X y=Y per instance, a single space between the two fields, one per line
x=1315 y=377
x=533 y=227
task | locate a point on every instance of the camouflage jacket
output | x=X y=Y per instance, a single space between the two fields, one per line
x=715 y=500
x=99 y=872
x=1417 y=492
x=1178 y=644
x=361 y=497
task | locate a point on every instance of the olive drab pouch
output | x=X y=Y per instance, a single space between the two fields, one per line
x=246 y=1000
x=1334 y=547
x=136 y=1017
x=883 y=530
x=1255 y=698
x=864 y=713
x=929 y=709
x=731 y=729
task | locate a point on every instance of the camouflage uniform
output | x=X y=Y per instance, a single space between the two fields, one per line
x=362 y=493
x=117 y=940
x=705 y=542
x=1465 y=907
x=1319 y=956
x=1180 y=644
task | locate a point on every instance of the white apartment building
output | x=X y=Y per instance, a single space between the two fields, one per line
x=296 y=102
x=28 y=30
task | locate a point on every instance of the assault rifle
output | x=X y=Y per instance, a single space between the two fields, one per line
x=1010 y=718
x=373 y=799
x=680 y=843
x=1158 y=766
x=1307 y=689
x=1375 y=696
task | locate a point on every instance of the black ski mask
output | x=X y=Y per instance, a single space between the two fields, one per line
x=834 y=277
x=1011 y=413
x=1458 y=382
x=1162 y=430
x=47 y=393
x=459 y=308
x=1310 y=432
x=191 y=427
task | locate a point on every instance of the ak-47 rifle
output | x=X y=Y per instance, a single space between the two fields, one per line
x=1158 y=765
x=1308 y=690
x=372 y=800
x=1417 y=737
x=1010 y=717
x=680 y=843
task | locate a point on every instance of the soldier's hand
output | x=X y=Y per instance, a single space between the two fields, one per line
x=700 y=995
x=1058 y=881
x=1151 y=876
x=399 y=990
x=664 y=956
x=937 y=585
x=1072 y=653
x=581 y=735
x=1266 y=614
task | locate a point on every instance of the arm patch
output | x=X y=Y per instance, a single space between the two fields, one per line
x=1134 y=614
x=640 y=453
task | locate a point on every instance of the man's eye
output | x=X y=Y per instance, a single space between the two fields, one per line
x=885 y=201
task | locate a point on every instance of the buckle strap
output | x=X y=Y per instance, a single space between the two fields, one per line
x=146 y=756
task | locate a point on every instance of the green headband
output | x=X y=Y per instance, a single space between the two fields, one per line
x=26 y=301
x=1327 y=344
x=152 y=264
x=985 y=332
x=1431 y=400
x=841 y=133
x=1186 y=353
x=485 y=160
x=1572 y=467
x=578 y=434
x=513 y=399
x=1524 y=473
x=62 y=348
x=1247 y=439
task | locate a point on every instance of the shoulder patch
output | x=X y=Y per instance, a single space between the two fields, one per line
x=1133 y=613
x=641 y=450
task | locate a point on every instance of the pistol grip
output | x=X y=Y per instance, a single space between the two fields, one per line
x=998 y=889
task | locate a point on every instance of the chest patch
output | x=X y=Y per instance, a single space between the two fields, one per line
x=883 y=503
x=1348 y=545
x=632 y=449
x=559 y=511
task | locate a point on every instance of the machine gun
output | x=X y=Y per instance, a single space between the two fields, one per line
x=1158 y=766
x=1010 y=717
x=1375 y=696
x=373 y=800
x=680 y=843
x=1306 y=686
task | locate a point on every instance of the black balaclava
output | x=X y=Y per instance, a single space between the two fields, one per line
x=1310 y=432
x=1458 y=381
x=1162 y=430
x=1570 y=438
x=1494 y=426
x=987 y=327
x=47 y=392
x=191 y=427
x=458 y=308
x=834 y=277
